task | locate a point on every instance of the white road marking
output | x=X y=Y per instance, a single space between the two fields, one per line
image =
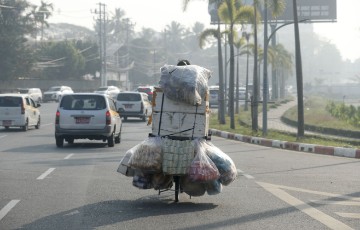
x=327 y=220
x=3 y=136
x=240 y=172
x=45 y=174
x=330 y=202
x=69 y=156
x=5 y=210
x=319 y=193
x=349 y=215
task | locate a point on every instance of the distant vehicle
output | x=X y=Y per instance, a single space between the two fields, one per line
x=149 y=90
x=133 y=104
x=242 y=93
x=56 y=92
x=214 y=96
x=87 y=116
x=19 y=110
x=34 y=93
x=112 y=91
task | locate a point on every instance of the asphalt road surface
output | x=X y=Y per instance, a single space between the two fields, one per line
x=77 y=187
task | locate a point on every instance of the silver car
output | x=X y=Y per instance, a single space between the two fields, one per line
x=87 y=116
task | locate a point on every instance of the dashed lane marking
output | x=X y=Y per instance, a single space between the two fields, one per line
x=45 y=174
x=5 y=210
x=68 y=156
x=314 y=213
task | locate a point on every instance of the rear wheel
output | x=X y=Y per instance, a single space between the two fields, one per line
x=59 y=141
x=118 y=138
x=37 y=126
x=26 y=126
x=110 y=140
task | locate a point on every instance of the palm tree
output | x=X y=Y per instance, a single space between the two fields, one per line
x=240 y=48
x=41 y=14
x=277 y=7
x=232 y=12
x=283 y=64
x=44 y=13
x=218 y=35
x=118 y=25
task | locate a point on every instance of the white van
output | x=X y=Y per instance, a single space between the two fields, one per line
x=134 y=104
x=34 y=93
x=19 y=110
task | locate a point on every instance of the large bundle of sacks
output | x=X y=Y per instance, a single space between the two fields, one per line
x=178 y=143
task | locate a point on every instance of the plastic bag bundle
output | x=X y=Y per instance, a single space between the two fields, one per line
x=161 y=181
x=142 y=181
x=124 y=167
x=147 y=155
x=213 y=187
x=223 y=162
x=187 y=84
x=192 y=188
x=202 y=169
x=177 y=156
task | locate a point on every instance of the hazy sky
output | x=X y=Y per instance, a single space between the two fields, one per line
x=157 y=14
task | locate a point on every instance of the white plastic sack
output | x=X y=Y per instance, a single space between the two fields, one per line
x=187 y=84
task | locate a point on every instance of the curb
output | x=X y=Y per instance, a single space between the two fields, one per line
x=295 y=146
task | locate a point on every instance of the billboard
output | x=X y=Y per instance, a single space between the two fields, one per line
x=313 y=10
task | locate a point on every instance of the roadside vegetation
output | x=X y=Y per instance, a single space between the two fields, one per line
x=315 y=113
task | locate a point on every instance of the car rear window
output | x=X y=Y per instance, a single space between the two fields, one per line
x=83 y=102
x=212 y=91
x=144 y=90
x=9 y=101
x=23 y=91
x=129 y=97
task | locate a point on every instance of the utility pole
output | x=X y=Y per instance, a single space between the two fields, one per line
x=299 y=77
x=102 y=42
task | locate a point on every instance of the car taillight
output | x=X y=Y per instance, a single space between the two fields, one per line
x=57 y=117
x=22 y=108
x=108 y=118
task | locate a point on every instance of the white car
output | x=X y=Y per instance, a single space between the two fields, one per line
x=34 y=93
x=87 y=116
x=133 y=104
x=214 y=96
x=19 y=110
x=56 y=92
x=112 y=91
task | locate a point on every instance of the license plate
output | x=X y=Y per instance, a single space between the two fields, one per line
x=128 y=106
x=82 y=120
x=6 y=123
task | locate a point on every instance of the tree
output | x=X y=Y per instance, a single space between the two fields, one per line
x=64 y=61
x=42 y=14
x=232 y=12
x=203 y=38
x=240 y=47
x=15 y=25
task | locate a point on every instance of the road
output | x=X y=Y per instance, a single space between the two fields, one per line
x=77 y=187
